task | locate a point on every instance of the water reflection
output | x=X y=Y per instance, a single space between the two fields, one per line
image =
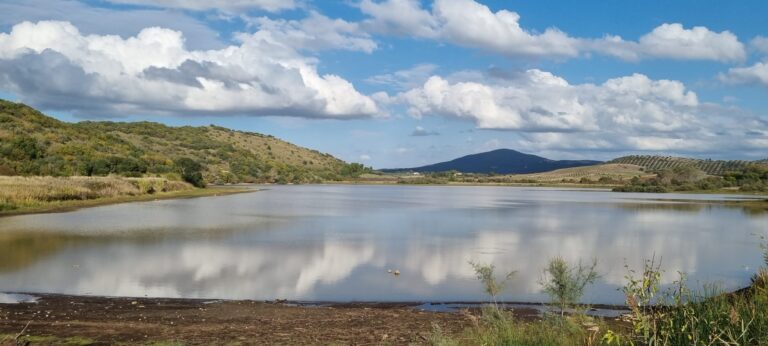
x=336 y=243
x=22 y=249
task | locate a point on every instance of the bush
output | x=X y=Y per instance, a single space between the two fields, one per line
x=116 y=165
x=492 y=285
x=23 y=149
x=565 y=283
x=190 y=171
x=640 y=188
x=354 y=170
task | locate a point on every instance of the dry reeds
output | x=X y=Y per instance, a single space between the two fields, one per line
x=28 y=192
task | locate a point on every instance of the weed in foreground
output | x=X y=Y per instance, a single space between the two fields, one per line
x=565 y=283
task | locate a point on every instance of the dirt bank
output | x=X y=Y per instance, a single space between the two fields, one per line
x=58 y=319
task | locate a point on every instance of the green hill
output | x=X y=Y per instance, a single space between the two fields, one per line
x=32 y=143
x=657 y=163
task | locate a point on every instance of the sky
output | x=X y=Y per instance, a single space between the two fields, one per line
x=402 y=83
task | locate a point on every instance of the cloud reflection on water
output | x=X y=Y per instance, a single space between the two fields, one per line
x=336 y=242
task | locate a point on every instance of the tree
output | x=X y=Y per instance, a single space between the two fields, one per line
x=565 y=283
x=354 y=170
x=191 y=171
x=116 y=165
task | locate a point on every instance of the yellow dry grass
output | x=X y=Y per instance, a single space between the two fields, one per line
x=31 y=192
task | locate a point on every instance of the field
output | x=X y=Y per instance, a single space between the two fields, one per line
x=611 y=174
x=657 y=163
x=612 y=171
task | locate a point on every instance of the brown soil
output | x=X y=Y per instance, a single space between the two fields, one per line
x=59 y=319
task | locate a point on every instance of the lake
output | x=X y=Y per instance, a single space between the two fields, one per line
x=336 y=243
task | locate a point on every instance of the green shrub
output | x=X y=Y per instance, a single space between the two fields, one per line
x=565 y=283
x=492 y=285
x=190 y=171
x=23 y=148
x=126 y=166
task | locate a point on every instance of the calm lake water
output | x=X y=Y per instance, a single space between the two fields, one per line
x=336 y=242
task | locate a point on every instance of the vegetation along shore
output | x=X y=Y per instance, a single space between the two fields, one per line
x=23 y=195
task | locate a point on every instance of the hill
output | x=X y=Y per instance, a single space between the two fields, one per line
x=711 y=167
x=500 y=161
x=32 y=143
x=614 y=172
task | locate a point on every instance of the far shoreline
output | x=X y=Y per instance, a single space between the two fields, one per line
x=756 y=200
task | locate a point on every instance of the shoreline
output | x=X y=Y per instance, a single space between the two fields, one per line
x=395 y=183
x=597 y=187
x=310 y=303
x=63 y=319
x=60 y=319
x=72 y=205
x=757 y=200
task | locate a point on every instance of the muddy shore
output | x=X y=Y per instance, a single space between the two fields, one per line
x=60 y=319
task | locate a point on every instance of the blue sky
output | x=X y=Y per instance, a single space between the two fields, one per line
x=397 y=83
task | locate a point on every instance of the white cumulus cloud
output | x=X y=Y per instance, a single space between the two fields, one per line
x=468 y=23
x=102 y=20
x=673 y=41
x=626 y=113
x=399 y=17
x=52 y=65
x=316 y=32
x=471 y=24
x=755 y=74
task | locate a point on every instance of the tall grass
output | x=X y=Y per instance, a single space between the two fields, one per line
x=681 y=316
x=498 y=325
x=675 y=316
x=30 y=192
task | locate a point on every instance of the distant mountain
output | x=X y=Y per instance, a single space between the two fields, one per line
x=32 y=143
x=711 y=167
x=500 y=161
